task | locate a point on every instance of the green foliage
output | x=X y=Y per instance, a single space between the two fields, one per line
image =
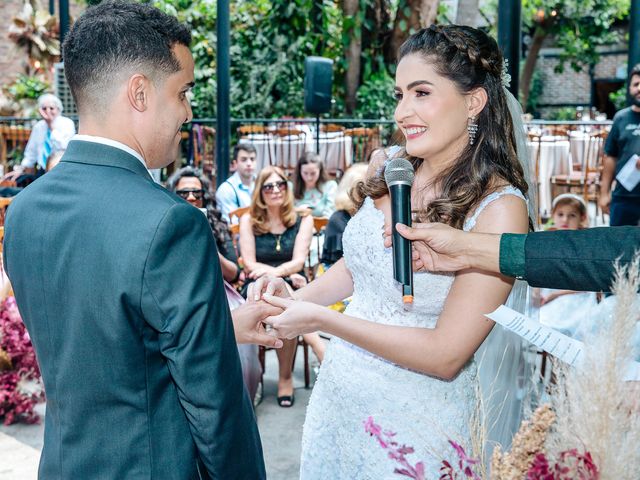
x=578 y=27
x=535 y=92
x=269 y=42
x=619 y=97
x=375 y=97
x=562 y=114
x=26 y=87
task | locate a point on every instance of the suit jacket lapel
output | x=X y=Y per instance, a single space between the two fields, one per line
x=91 y=153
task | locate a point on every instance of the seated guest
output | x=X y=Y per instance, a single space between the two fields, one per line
x=235 y=192
x=190 y=184
x=345 y=208
x=312 y=188
x=51 y=133
x=274 y=240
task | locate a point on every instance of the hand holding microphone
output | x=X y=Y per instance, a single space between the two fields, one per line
x=399 y=176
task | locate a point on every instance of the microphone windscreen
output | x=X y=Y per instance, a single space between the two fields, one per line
x=399 y=171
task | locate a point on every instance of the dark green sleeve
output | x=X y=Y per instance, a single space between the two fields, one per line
x=512 y=255
x=578 y=259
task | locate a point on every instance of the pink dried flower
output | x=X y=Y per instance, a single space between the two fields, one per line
x=396 y=452
x=15 y=404
x=571 y=465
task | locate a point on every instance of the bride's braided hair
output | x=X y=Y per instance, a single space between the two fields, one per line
x=470 y=59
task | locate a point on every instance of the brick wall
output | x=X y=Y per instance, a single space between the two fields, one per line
x=12 y=59
x=575 y=87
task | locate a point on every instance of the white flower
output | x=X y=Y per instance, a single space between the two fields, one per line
x=505 y=78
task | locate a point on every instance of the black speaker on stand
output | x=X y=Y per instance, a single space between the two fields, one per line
x=318 y=82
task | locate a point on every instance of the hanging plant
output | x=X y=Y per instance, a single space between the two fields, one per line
x=36 y=31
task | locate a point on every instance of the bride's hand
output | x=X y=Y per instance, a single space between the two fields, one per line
x=297 y=318
x=270 y=285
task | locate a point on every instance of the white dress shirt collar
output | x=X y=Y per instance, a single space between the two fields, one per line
x=111 y=143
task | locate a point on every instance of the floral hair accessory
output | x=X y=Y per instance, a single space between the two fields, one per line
x=505 y=78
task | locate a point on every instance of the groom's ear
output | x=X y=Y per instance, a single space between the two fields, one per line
x=476 y=101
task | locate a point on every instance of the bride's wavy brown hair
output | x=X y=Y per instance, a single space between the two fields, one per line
x=470 y=59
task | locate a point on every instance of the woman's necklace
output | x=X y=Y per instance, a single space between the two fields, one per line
x=278 y=237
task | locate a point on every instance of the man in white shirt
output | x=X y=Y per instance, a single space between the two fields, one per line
x=48 y=135
x=236 y=191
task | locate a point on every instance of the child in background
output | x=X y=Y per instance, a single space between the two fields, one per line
x=563 y=310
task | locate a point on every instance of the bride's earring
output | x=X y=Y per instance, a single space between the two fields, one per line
x=472 y=127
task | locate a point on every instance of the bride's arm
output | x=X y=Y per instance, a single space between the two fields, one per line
x=461 y=328
x=333 y=286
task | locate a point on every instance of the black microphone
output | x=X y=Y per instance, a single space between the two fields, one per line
x=399 y=176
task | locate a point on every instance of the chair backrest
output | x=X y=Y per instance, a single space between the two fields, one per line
x=4 y=203
x=319 y=223
x=12 y=136
x=237 y=213
x=364 y=140
x=331 y=128
x=244 y=130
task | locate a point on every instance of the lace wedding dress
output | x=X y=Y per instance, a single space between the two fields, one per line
x=353 y=384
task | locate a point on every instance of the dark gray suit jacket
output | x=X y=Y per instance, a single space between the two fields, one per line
x=119 y=284
x=578 y=259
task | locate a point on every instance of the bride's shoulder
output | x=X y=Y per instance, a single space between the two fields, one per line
x=502 y=210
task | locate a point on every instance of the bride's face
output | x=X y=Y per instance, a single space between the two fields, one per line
x=431 y=112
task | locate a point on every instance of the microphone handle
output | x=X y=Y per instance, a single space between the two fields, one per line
x=401 y=213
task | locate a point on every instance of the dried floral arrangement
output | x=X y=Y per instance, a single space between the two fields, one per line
x=20 y=383
x=591 y=428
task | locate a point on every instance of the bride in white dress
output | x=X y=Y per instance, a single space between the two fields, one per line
x=413 y=371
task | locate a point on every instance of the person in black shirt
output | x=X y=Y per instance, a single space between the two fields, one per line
x=622 y=143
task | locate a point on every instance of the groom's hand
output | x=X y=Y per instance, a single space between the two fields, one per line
x=248 y=323
x=270 y=285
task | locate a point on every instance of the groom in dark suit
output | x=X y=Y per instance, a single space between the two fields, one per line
x=118 y=280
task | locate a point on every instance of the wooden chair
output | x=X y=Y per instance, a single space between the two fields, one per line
x=365 y=140
x=331 y=128
x=245 y=130
x=305 y=351
x=4 y=203
x=584 y=177
x=559 y=130
x=319 y=224
x=12 y=137
x=234 y=227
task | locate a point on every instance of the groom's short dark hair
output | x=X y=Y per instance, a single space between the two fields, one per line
x=114 y=39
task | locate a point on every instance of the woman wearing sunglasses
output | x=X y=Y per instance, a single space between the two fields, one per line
x=195 y=188
x=274 y=241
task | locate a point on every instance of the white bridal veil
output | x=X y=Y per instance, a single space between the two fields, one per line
x=505 y=362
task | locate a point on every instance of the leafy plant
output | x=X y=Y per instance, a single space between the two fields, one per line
x=36 y=30
x=26 y=87
x=619 y=97
x=375 y=97
x=564 y=113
